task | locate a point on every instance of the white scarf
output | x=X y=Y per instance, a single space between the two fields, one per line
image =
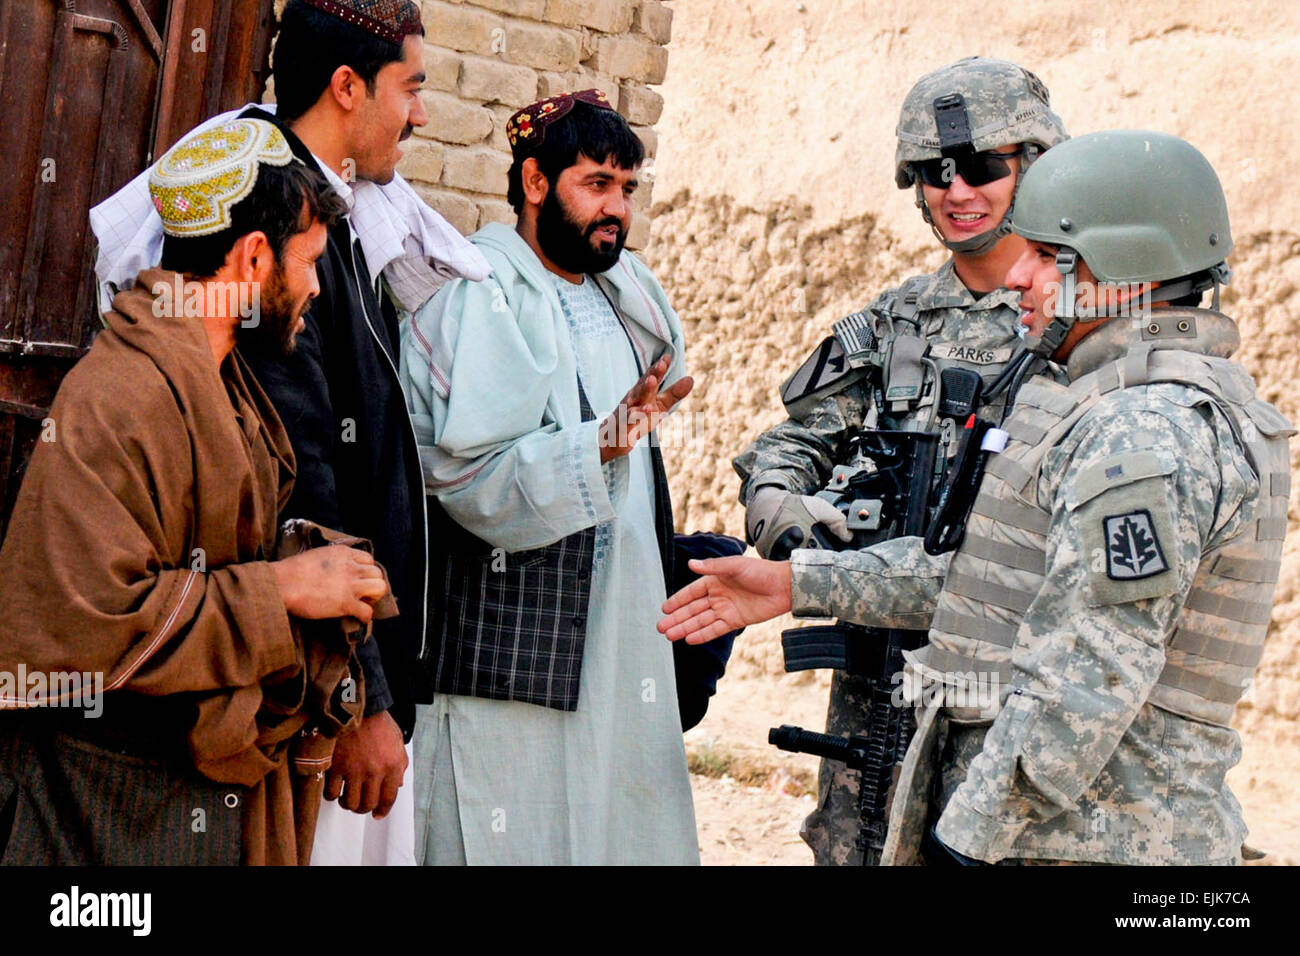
x=415 y=249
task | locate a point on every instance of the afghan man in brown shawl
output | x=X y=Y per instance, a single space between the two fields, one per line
x=160 y=674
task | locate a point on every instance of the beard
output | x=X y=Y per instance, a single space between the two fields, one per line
x=277 y=319
x=570 y=245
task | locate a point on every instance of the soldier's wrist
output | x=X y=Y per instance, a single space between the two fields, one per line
x=811 y=580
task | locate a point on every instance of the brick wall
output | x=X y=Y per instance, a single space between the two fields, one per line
x=487 y=58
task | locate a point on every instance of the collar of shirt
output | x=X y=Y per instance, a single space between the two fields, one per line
x=343 y=189
x=945 y=290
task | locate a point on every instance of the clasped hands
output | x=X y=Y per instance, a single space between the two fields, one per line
x=369 y=760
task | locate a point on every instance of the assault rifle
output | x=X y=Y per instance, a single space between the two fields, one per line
x=890 y=488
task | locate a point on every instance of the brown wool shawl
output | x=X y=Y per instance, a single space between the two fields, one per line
x=138 y=549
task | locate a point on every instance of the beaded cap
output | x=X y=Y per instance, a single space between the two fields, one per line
x=391 y=20
x=526 y=129
x=197 y=182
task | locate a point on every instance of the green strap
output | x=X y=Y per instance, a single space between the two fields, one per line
x=1024 y=431
x=1009 y=471
x=1054 y=400
x=1213 y=648
x=976 y=628
x=977 y=589
x=950 y=662
x=1107 y=378
x=1203 y=686
x=1013 y=513
x=1232 y=609
x=1011 y=555
x=1270 y=529
x=1251 y=570
x=1133 y=366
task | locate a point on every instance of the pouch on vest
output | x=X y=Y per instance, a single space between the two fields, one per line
x=1122 y=511
x=906 y=375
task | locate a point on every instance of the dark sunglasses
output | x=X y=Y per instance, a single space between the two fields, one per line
x=975 y=169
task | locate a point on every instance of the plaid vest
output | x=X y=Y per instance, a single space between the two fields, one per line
x=518 y=633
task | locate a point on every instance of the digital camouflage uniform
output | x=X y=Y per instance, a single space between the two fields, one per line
x=1108 y=603
x=1004 y=104
x=798 y=455
x=1116 y=660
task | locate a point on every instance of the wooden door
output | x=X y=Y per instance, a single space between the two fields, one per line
x=90 y=92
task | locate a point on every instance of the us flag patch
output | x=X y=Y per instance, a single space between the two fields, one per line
x=1133 y=549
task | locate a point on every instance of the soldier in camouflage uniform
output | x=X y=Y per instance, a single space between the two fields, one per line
x=1108 y=604
x=960 y=313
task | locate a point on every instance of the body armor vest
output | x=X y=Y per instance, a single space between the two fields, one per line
x=1000 y=567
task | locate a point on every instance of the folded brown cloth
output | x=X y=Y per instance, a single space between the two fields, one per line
x=334 y=683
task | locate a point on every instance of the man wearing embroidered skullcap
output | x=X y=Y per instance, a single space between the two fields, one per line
x=347 y=79
x=164 y=682
x=554 y=735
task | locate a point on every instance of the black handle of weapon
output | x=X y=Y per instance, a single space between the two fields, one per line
x=811 y=648
x=825 y=540
x=889 y=726
x=889 y=729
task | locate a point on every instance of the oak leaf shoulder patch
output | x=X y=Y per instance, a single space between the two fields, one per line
x=1133 y=550
x=1127 y=535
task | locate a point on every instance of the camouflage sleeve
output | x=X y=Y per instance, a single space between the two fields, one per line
x=1134 y=492
x=890 y=584
x=798 y=454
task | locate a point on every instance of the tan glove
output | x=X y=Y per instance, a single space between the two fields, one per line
x=773 y=511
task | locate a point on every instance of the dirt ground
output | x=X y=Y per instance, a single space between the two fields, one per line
x=757 y=821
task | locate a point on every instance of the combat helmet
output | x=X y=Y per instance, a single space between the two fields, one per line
x=975 y=104
x=1136 y=206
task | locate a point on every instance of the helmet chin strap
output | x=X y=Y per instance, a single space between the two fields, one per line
x=1067 y=263
x=975 y=245
x=1068 y=311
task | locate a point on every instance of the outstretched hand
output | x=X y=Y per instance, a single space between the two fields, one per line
x=733 y=593
x=641 y=411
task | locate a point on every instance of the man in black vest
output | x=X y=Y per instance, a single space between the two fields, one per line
x=347 y=80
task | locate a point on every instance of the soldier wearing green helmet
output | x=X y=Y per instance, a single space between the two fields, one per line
x=966 y=135
x=1125 y=582
x=1116 y=573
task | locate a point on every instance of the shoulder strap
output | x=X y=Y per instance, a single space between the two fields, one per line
x=903 y=304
